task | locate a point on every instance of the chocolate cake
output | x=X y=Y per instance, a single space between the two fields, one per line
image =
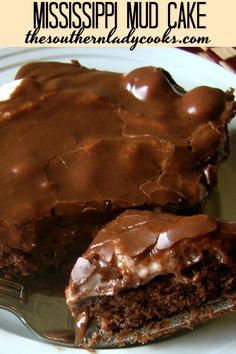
x=79 y=146
x=148 y=275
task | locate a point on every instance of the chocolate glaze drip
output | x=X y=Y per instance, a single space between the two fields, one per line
x=74 y=139
x=138 y=246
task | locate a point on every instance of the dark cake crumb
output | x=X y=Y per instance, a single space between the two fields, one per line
x=144 y=269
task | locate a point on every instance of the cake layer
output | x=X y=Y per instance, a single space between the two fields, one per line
x=74 y=139
x=157 y=310
x=143 y=268
x=59 y=241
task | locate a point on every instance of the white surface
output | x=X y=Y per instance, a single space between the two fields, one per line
x=216 y=337
x=7 y=89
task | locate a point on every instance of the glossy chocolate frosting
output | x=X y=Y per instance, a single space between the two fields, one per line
x=74 y=139
x=140 y=245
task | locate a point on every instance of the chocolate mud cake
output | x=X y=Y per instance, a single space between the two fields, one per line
x=148 y=275
x=79 y=146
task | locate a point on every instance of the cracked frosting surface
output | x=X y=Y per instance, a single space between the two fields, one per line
x=73 y=139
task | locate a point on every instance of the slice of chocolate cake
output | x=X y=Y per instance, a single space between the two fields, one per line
x=148 y=275
x=78 y=144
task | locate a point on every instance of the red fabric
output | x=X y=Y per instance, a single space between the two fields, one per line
x=225 y=57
